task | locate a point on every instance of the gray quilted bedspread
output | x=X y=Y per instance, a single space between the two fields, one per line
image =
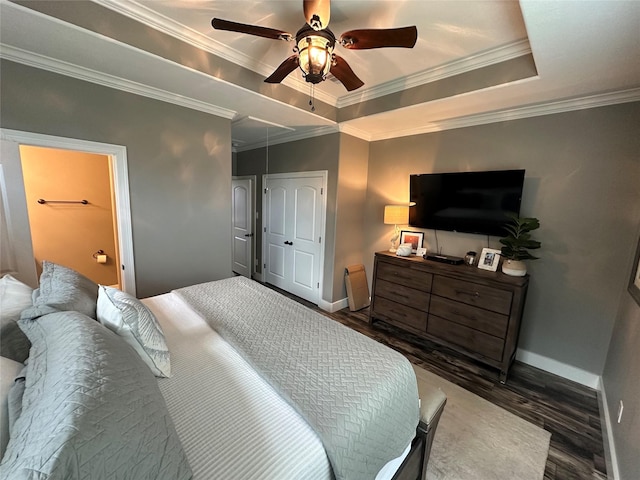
x=360 y=396
x=91 y=409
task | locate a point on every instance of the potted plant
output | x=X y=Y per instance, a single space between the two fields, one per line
x=517 y=243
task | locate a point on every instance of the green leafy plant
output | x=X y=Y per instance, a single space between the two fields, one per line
x=518 y=242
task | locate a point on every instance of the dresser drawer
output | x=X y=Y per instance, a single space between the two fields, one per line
x=465 y=337
x=477 y=318
x=404 y=275
x=401 y=294
x=482 y=296
x=399 y=314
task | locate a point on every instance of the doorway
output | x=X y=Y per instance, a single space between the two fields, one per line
x=72 y=215
x=15 y=212
x=294 y=210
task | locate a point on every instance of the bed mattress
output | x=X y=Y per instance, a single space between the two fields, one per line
x=231 y=422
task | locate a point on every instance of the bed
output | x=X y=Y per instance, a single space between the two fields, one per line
x=237 y=381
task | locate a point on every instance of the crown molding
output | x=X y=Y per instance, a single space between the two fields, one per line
x=486 y=58
x=70 y=70
x=291 y=137
x=64 y=68
x=550 y=108
x=355 y=132
x=161 y=23
x=456 y=67
x=164 y=24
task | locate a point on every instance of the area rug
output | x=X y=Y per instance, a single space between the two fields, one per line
x=477 y=440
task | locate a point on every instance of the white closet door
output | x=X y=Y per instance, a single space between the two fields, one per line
x=294 y=212
x=242 y=226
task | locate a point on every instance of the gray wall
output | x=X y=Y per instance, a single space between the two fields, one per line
x=620 y=379
x=581 y=182
x=179 y=168
x=350 y=202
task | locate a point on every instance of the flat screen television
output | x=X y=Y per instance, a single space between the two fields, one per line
x=470 y=202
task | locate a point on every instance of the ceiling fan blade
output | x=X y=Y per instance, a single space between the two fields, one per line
x=380 y=38
x=317 y=13
x=342 y=71
x=285 y=68
x=272 y=33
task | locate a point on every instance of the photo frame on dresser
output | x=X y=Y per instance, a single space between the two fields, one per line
x=414 y=238
x=634 y=281
x=489 y=259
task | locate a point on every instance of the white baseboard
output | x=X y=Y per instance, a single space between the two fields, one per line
x=609 y=445
x=550 y=365
x=333 y=307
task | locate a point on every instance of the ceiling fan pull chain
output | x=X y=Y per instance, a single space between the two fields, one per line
x=311 y=97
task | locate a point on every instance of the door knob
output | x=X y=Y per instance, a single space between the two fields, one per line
x=288 y=243
x=248 y=234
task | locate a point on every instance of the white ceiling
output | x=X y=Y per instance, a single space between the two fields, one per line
x=587 y=53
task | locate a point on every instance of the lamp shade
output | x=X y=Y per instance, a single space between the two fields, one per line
x=396 y=214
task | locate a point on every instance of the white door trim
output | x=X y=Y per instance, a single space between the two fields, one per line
x=323 y=221
x=118 y=154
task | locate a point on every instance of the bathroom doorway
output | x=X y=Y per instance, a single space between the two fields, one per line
x=71 y=210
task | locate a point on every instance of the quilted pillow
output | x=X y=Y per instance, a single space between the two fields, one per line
x=91 y=409
x=15 y=296
x=62 y=289
x=135 y=323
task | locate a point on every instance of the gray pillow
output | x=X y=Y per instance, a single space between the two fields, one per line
x=91 y=409
x=62 y=289
x=9 y=370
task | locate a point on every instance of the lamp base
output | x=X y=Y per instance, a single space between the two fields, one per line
x=393 y=249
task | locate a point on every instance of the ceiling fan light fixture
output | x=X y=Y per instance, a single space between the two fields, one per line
x=315 y=53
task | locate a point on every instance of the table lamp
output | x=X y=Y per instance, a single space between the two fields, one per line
x=396 y=215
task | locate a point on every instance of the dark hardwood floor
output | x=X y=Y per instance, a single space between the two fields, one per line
x=569 y=411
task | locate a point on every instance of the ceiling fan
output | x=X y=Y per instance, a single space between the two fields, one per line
x=315 y=43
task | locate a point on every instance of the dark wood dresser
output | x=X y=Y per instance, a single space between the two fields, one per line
x=473 y=311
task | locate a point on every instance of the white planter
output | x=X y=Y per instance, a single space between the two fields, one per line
x=515 y=268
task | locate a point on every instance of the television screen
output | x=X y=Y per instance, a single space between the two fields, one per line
x=470 y=202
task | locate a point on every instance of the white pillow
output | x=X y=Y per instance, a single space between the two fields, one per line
x=15 y=297
x=9 y=369
x=135 y=323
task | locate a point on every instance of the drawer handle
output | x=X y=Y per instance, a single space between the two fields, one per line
x=474 y=294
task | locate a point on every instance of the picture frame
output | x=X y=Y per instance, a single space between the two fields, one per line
x=421 y=252
x=489 y=259
x=634 y=281
x=414 y=238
